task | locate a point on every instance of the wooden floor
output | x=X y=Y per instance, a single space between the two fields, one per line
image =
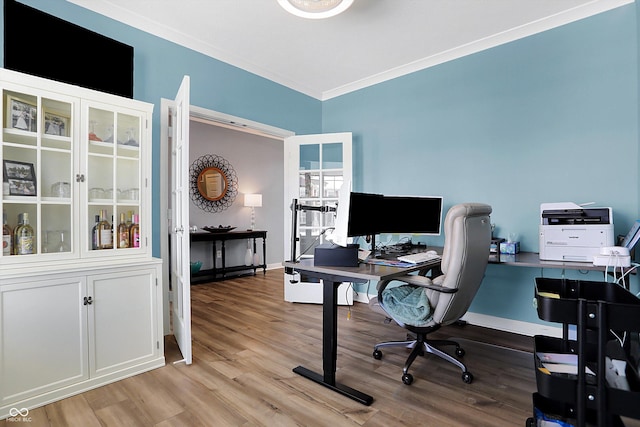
x=246 y=340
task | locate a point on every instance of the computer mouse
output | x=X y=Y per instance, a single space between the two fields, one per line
x=432 y=253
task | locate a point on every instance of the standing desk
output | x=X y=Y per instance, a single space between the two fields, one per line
x=332 y=277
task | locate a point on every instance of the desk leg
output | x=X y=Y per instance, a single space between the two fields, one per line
x=330 y=348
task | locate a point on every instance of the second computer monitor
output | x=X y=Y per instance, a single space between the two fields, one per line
x=411 y=215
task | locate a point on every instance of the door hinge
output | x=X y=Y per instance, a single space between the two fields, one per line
x=158 y=345
x=156 y=281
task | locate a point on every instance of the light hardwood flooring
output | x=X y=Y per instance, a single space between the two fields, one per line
x=246 y=340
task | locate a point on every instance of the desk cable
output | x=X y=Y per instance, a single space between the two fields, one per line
x=313 y=243
x=294 y=272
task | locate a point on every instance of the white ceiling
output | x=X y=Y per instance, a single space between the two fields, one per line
x=373 y=41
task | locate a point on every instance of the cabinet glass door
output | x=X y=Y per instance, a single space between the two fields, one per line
x=113 y=180
x=38 y=186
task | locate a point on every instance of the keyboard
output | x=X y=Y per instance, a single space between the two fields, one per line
x=419 y=258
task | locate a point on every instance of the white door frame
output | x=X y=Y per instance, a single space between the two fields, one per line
x=205 y=116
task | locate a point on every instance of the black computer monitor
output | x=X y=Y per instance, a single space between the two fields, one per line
x=410 y=215
x=368 y=214
x=364 y=212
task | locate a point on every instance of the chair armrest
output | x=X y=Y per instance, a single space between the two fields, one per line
x=425 y=282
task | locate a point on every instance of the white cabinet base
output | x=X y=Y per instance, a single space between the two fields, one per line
x=68 y=331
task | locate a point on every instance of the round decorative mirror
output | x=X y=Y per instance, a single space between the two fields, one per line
x=214 y=185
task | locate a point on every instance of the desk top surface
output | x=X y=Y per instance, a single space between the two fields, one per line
x=532 y=259
x=363 y=271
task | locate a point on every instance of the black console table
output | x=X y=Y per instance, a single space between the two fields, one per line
x=217 y=273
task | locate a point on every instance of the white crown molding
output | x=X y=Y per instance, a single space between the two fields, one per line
x=144 y=24
x=581 y=12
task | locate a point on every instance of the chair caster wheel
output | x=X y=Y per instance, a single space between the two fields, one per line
x=377 y=354
x=467 y=377
x=407 y=379
x=460 y=352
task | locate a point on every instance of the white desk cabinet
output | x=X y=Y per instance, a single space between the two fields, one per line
x=69 y=332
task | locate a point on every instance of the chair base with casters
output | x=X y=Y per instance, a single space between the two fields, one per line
x=424 y=304
x=422 y=345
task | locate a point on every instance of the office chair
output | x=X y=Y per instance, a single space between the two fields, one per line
x=422 y=305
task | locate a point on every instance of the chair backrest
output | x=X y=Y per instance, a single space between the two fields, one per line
x=467 y=241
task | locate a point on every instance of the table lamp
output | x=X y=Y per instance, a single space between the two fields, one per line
x=253 y=201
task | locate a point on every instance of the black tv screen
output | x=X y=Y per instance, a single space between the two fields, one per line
x=43 y=45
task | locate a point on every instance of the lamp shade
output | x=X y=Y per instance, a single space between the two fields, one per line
x=253 y=200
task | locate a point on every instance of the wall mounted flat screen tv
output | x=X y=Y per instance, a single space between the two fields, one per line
x=43 y=45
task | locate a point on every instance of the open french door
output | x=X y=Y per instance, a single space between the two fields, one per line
x=316 y=166
x=180 y=250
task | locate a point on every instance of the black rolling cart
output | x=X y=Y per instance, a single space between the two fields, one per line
x=607 y=321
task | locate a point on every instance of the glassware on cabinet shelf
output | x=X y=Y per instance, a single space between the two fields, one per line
x=131 y=141
x=130 y=194
x=61 y=189
x=92 y=132
x=96 y=193
x=110 y=137
x=56 y=241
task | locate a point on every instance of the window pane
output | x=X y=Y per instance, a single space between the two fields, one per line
x=331 y=183
x=309 y=157
x=332 y=156
x=309 y=184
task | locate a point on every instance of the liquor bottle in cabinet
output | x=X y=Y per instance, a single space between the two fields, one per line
x=24 y=237
x=123 y=233
x=134 y=233
x=7 y=237
x=94 y=233
x=105 y=232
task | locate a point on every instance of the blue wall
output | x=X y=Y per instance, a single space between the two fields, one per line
x=159 y=66
x=549 y=118
x=552 y=117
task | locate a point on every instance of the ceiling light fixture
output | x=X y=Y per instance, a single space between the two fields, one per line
x=315 y=9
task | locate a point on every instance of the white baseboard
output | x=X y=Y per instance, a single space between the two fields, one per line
x=493 y=322
x=509 y=325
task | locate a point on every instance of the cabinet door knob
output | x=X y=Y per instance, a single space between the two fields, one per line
x=178 y=229
x=79 y=177
x=88 y=301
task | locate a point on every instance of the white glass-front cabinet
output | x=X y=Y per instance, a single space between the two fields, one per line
x=80 y=300
x=67 y=161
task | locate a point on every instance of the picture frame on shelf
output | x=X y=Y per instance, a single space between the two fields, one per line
x=21 y=177
x=21 y=114
x=56 y=123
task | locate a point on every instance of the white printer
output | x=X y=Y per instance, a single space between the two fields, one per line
x=569 y=232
